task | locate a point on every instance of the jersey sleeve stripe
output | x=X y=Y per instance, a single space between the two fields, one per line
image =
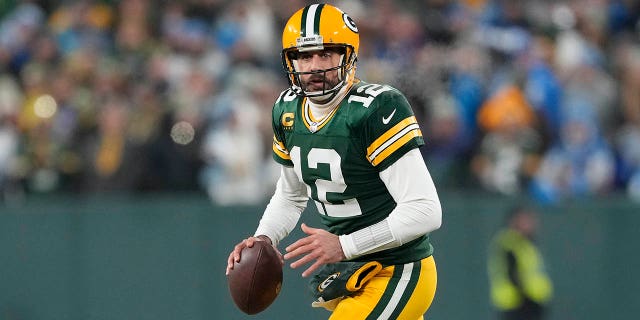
x=280 y=150
x=389 y=134
x=393 y=144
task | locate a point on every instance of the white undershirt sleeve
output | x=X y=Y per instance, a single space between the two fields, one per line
x=417 y=213
x=285 y=207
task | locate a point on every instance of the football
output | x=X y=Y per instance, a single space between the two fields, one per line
x=255 y=281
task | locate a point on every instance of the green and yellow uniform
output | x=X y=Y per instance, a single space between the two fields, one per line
x=340 y=158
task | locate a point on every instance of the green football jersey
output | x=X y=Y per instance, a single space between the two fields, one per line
x=340 y=157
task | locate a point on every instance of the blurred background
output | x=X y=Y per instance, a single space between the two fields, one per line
x=134 y=146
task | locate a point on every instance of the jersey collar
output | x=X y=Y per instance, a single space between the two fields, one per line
x=314 y=124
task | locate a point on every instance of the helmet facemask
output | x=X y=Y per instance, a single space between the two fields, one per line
x=345 y=69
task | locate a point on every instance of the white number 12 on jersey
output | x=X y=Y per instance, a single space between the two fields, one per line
x=336 y=184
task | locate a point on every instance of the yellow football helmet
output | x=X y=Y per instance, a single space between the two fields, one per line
x=316 y=27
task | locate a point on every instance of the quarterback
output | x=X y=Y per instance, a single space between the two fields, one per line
x=351 y=147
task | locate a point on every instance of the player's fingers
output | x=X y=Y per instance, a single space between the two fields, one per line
x=235 y=255
x=229 y=264
x=300 y=247
x=237 y=250
x=312 y=269
x=299 y=243
x=250 y=241
x=297 y=252
x=311 y=231
x=304 y=260
x=231 y=259
x=308 y=230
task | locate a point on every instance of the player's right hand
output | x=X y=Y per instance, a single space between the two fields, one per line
x=235 y=255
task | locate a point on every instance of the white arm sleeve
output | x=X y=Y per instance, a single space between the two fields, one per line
x=283 y=211
x=417 y=213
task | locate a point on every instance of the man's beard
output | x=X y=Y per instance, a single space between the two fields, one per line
x=319 y=83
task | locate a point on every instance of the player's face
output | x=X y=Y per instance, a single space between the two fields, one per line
x=318 y=61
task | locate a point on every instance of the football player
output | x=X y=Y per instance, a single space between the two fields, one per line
x=352 y=147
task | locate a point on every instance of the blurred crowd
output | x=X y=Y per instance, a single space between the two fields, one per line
x=538 y=98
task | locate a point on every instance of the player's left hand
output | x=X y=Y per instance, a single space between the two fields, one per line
x=319 y=245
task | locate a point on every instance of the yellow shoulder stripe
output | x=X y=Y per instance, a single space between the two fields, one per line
x=393 y=139
x=280 y=150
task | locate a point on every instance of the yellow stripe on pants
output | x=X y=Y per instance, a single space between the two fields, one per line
x=363 y=303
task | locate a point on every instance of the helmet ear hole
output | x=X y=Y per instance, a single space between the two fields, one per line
x=292 y=55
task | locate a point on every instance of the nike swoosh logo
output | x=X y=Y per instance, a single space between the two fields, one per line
x=386 y=120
